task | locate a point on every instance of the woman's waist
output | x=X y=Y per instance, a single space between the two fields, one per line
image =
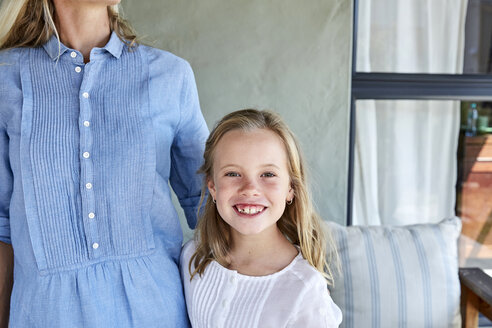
x=164 y=254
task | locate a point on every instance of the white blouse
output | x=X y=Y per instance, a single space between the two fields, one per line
x=296 y=296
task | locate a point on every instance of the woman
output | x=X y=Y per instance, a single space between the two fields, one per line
x=92 y=128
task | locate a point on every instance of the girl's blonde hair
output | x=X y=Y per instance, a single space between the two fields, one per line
x=30 y=23
x=299 y=223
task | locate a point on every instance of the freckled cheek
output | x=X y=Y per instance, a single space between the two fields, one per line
x=275 y=186
x=224 y=190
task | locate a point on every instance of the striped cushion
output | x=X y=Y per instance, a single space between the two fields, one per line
x=398 y=276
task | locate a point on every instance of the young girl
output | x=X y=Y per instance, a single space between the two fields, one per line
x=258 y=258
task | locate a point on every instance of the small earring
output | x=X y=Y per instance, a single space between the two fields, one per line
x=290 y=201
x=213 y=200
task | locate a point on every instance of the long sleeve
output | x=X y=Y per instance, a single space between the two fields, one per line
x=187 y=150
x=10 y=98
x=5 y=185
x=316 y=309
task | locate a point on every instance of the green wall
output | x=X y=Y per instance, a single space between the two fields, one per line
x=287 y=55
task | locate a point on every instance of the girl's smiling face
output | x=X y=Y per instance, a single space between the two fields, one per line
x=250 y=182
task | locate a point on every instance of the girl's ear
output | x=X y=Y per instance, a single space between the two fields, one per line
x=290 y=194
x=211 y=187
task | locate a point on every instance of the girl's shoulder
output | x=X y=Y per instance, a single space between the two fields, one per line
x=188 y=250
x=313 y=306
x=184 y=260
x=306 y=273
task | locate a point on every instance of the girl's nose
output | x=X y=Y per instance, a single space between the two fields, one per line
x=249 y=188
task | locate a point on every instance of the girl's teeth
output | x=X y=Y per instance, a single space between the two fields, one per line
x=249 y=210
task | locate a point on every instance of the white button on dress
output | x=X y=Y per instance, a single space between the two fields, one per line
x=86 y=154
x=78 y=69
x=95 y=245
x=73 y=54
x=88 y=185
x=87 y=123
x=92 y=215
x=85 y=95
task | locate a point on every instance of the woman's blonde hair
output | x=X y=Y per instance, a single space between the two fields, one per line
x=299 y=223
x=30 y=23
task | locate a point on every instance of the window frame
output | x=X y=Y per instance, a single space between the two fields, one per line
x=403 y=86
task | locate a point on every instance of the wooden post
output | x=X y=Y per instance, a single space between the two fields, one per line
x=469 y=308
x=476 y=296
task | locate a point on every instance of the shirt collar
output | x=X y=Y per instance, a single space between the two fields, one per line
x=114 y=45
x=55 y=49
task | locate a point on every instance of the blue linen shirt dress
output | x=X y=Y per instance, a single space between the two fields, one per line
x=86 y=154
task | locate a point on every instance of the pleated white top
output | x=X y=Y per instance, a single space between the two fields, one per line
x=296 y=296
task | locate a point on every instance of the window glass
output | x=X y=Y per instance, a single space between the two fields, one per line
x=423 y=161
x=474 y=185
x=478 y=37
x=421 y=36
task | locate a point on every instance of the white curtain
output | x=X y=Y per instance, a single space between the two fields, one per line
x=405 y=151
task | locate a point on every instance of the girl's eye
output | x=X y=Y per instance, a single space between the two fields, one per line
x=268 y=175
x=232 y=174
